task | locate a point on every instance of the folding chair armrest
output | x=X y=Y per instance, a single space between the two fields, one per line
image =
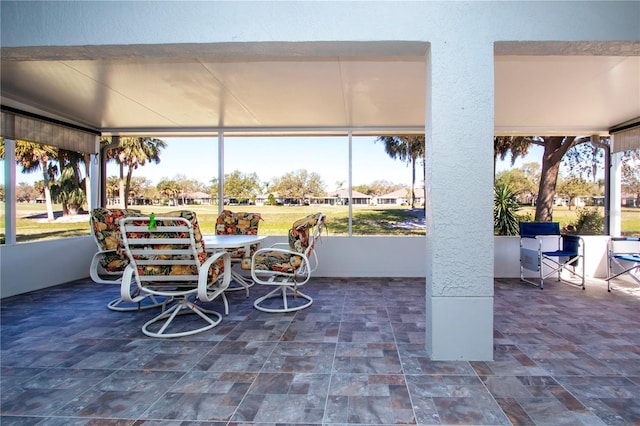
x=531 y=242
x=204 y=290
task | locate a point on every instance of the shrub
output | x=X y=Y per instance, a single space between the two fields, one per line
x=588 y=222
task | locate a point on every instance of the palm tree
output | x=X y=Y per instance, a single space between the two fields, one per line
x=133 y=152
x=518 y=146
x=407 y=149
x=33 y=156
x=69 y=190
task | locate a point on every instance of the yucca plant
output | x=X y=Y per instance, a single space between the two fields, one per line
x=505 y=207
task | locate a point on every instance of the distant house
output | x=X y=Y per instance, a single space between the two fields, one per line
x=341 y=197
x=196 y=198
x=628 y=199
x=398 y=197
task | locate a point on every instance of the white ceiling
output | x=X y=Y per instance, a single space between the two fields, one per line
x=168 y=92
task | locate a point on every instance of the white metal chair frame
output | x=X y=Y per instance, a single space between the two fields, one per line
x=155 y=250
x=535 y=255
x=623 y=257
x=97 y=274
x=288 y=284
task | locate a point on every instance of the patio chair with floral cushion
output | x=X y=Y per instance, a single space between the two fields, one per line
x=109 y=262
x=288 y=266
x=239 y=223
x=167 y=259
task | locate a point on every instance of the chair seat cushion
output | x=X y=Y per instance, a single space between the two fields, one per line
x=277 y=261
x=114 y=262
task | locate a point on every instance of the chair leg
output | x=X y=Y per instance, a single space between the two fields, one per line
x=243 y=283
x=120 y=305
x=621 y=271
x=183 y=307
x=285 y=292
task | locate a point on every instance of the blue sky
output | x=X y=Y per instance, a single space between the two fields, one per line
x=196 y=158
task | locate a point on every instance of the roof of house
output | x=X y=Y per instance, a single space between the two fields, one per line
x=343 y=192
x=399 y=193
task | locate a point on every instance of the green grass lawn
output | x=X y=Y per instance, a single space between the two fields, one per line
x=630 y=217
x=367 y=220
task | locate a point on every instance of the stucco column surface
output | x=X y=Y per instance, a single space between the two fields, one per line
x=459 y=282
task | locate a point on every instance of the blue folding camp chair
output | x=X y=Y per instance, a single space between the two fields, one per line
x=544 y=250
x=623 y=255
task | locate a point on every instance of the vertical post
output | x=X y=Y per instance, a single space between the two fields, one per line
x=10 y=191
x=95 y=178
x=350 y=230
x=615 y=189
x=115 y=141
x=459 y=206
x=595 y=141
x=220 y=172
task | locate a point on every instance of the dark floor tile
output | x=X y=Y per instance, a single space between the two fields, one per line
x=356 y=356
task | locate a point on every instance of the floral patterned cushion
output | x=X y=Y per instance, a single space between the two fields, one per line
x=145 y=270
x=105 y=224
x=298 y=243
x=238 y=223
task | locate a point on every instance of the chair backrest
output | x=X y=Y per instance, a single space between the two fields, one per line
x=571 y=243
x=305 y=232
x=170 y=251
x=105 y=227
x=238 y=223
x=531 y=229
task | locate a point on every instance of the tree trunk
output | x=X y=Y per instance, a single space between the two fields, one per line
x=127 y=186
x=47 y=191
x=121 y=188
x=413 y=182
x=554 y=150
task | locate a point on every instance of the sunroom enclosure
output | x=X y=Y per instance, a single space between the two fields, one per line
x=198 y=92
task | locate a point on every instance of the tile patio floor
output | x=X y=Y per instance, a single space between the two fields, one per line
x=563 y=356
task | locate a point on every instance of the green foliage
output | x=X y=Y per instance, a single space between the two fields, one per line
x=589 y=221
x=505 y=207
x=242 y=186
x=271 y=200
x=69 y=189
x=299 y=184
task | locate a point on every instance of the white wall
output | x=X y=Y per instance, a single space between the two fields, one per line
x=32 y=266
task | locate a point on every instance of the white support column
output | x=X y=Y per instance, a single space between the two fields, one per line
x=615 y=191
x=93 y=197
x=220 y=172
x=459 y=200
x=350 y=230
x=9 y=191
